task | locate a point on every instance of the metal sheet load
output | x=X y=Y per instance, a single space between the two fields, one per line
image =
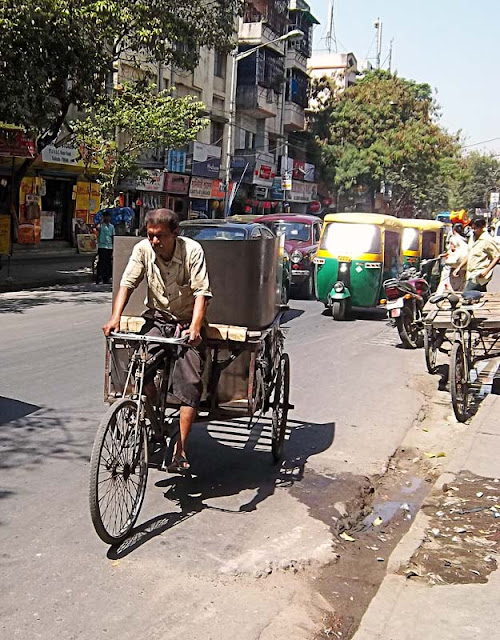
x=245 y=278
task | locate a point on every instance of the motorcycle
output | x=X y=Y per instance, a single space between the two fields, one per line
x=405 y=300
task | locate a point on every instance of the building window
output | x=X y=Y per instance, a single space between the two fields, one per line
x=219 y=64
x=249 y=140
x=216 y=133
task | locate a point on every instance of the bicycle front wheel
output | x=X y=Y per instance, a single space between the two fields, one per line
x=118 y=472
x=460 y=383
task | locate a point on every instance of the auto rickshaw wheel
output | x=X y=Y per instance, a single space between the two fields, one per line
x=280 y=407
x=339 y=309
x=408 y=333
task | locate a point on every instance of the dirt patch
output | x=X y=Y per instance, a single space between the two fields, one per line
x=366 y=537
x=461 y=544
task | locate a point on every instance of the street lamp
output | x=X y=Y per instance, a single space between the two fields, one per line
x=296 y=34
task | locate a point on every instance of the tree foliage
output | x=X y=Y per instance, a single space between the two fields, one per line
x=55 y=53
x=144 y=119
x=384 y=129
x=479 y=175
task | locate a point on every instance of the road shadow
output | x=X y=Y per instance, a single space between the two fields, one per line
x=11 y=409
x=34 y=435
x=22 y=301
x=228 y=459
x=291 y=314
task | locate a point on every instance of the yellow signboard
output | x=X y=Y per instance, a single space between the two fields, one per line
x=4 y=235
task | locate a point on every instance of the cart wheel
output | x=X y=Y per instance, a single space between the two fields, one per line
x=430 y=348
x=280 y=407
x=460 y=383
x=408 y=333
x=118 y=472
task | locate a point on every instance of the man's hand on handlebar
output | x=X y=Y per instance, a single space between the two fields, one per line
x=193 y=335
x=111 y=325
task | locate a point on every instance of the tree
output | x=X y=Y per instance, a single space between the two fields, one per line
x=384 y=129
x=479 y=175
x=58 y=53
x=144 y=119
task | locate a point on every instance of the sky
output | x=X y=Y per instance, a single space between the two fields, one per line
x=451 y=44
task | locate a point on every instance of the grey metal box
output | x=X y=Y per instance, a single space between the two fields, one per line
x=245 y=278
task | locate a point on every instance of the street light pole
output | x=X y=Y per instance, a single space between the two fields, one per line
x=236 y=57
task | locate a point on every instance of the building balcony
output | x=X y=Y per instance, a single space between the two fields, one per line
x=294 y=117
x=295 y=59
x=257 y=101
x=256 y=33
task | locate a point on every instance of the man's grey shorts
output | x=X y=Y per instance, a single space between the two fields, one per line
x=187 y=385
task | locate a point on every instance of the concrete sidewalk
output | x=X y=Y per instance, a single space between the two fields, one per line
x=406 y=606
x=29 y=272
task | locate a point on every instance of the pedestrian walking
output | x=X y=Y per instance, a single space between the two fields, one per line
x=456 y=253
x=105 y=235
x=483 y=256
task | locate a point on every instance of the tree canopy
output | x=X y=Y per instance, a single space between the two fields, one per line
x=145 y=119
x=384 y=129
x=55 y=53
x=479 y=175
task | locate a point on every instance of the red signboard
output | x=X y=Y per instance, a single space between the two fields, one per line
x=299 y=170
x=16 y=144
x=176 y=183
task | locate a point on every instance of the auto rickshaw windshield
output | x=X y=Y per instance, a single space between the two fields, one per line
x=346 y=239
x=410 y=239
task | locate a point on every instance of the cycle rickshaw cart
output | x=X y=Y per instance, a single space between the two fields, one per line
x=246 y=374
x=469 y=325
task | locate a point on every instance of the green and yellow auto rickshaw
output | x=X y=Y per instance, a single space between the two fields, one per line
x=422 y=240
x=357 y=252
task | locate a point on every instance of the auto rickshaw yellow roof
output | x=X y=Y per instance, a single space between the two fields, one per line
x=357 y=217
x=425 y=225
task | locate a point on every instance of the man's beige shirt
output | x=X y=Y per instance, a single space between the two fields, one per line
x=172 y=286
x=481 y=252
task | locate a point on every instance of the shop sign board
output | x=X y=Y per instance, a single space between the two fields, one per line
x=62 y=155
x=4 y=235
x=310 y=172
x=299 y=170
x=203 y=160
x=207 y=189
x=277 y=189
x=264 y=173
x=304 y=192
x=176 y=183
x=16 y=144
x=176 y=161
x=153 y=181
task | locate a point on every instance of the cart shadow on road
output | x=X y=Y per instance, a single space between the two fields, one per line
x=228 y=459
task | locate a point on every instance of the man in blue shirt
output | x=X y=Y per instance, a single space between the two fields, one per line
x=106 y=233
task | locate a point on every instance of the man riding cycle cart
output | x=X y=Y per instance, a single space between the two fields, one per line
x=168 y=364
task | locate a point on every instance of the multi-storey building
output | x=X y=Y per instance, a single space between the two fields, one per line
x=188 y=179
x=271 y=97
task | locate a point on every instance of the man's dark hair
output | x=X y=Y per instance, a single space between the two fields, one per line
x=162 y=216
x=478 y=222
x=459 y=228
x=106 y=214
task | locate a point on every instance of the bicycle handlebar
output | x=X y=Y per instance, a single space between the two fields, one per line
x=136 y=337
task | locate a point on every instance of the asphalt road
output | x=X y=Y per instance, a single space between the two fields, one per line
x=229 y=554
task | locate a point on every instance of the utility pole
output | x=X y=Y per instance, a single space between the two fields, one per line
x=331 y=37
x=390 y=54
x=378 y=27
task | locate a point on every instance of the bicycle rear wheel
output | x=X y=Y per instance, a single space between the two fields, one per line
x=118 y=472
x=460 y=383
x=280 y=407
